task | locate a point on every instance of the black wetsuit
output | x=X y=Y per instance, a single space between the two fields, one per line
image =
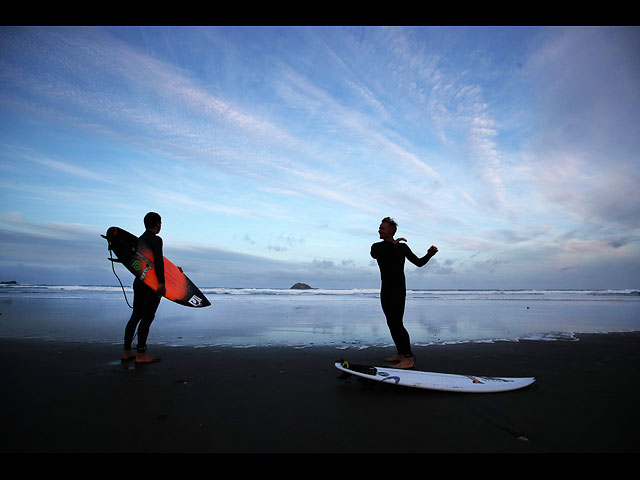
x=145 y=300
x=393 y=291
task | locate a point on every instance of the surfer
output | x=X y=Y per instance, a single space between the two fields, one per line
x=145 y=299
x=390 y=255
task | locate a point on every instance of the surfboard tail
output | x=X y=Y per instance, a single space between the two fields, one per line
x=366 y=369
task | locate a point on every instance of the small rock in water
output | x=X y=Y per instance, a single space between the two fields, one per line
x=300 y=286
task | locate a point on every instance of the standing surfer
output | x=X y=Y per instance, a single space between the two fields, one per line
x=390 y=255
x=145 y=299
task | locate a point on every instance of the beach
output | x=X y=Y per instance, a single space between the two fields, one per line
x=77 y=397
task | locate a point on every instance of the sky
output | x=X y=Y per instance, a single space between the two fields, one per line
x=272 y=154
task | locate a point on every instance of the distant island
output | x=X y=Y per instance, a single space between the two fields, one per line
x=12 y=282
x=300 y=286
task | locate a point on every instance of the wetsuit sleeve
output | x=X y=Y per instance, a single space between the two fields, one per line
x=374 y=251
x=413 y=258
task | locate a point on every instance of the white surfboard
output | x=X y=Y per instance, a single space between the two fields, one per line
x=436 y=381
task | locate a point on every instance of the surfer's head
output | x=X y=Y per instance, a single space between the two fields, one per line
x=392 y=223
x=152 y=220
x=388 y=227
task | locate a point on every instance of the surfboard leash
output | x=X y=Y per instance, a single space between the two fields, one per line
x=113 y=268
x=119 y=281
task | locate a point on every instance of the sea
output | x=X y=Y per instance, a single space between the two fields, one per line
x=344 y=319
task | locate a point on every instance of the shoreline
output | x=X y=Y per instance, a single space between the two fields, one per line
x=77 y=397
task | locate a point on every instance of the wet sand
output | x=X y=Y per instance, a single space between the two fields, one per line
x=78 y=397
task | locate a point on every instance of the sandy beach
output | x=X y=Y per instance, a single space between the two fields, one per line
x=78 y=397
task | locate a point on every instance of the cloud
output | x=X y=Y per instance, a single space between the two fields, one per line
x=588 y=141
x=508 y=148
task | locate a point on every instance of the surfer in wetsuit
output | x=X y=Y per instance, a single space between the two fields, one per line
x=145 y=299
x=390 y=255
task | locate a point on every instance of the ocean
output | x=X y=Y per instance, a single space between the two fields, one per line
x=245 y=318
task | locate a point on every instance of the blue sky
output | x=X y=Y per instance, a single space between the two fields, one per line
x=272 y=154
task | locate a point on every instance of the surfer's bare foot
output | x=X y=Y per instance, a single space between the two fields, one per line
x=397 y=358
x=146 y=358
x=127 y=355
x=406 y=362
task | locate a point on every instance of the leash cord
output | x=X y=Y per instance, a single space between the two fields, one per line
x=119 y=281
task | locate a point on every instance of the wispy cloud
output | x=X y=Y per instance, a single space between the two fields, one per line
x=505 y=147
x=587 y=150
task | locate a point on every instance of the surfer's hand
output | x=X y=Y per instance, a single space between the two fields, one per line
x=432 y=250
x=398 y=240
x=180 y=268
x=161 y=290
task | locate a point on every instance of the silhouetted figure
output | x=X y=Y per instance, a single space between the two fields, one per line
x=390 y=255
x=145 y=299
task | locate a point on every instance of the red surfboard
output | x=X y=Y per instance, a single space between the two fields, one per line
x=138 y=259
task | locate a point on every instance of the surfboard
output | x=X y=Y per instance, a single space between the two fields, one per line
x=138 y=259
x=435 y=381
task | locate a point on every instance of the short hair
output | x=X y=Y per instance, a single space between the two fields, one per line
x=391 y=222
x=151 y=219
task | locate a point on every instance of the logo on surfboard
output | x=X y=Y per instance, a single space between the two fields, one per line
x=195 y=301
x=144 y=273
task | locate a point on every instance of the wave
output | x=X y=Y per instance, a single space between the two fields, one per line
x=461 y=295
x=17 y=288
x=291 y=292
x=351 y=317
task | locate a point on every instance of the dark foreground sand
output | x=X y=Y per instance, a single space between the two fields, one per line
x=70 y=397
